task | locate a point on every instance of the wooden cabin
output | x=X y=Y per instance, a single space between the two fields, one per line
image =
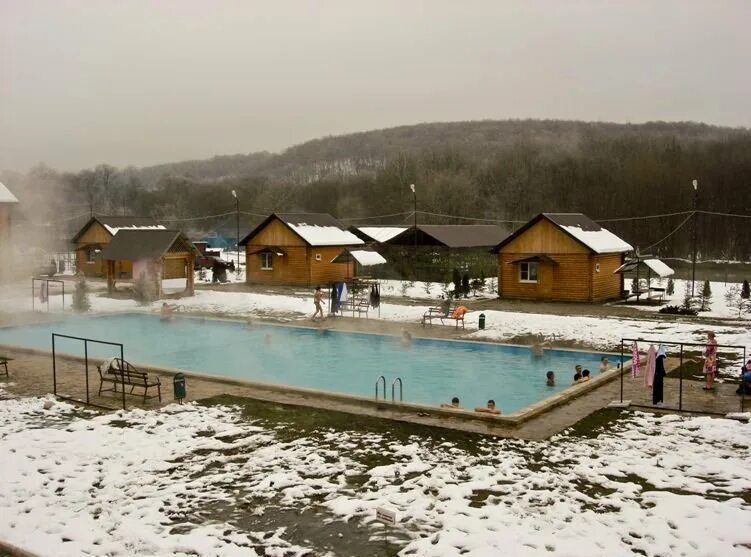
x=298 y=249
x=8 y=201
x=155 y=255
x=96 y=234
x=563 y=257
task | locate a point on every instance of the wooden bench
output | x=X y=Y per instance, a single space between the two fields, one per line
x=126 y=375
x=442 y=314
x=4 y=362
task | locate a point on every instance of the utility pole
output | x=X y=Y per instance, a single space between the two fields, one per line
x=414 y=195
x=695 y=183
x=237 y=221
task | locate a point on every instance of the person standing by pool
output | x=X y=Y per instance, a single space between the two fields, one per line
x=317 y=299
x=710 y=360
x=489 y=409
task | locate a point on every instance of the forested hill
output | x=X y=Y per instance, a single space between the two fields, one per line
x=507 y=170
x=357 y=152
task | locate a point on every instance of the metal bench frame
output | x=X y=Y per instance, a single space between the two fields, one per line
x=129 y=376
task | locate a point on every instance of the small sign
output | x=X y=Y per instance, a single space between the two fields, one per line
x=386 y=516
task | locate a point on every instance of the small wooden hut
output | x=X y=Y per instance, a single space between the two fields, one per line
x=7 y=202
x=96 y=234
x=155 y=256
x=563 y=257
x=298 y=249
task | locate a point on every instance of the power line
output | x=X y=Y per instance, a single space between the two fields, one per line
x=621 y=219
x=676 y=229
x=410 y=213
x=469 y=218
x=736 y=215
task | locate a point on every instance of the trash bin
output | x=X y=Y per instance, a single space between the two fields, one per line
x=178 y=383
x=482 y=321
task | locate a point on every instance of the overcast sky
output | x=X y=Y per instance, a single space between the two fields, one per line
x=143 y=82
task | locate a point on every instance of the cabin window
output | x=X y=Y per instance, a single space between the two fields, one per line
x=527 y=272
x=91 y=255
x=318 y=256
x=266 y=261
x=597 y=267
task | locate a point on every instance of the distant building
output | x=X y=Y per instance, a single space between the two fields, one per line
x=298 y=249
x=96 y=234
x=431 y=252
x=563 y=257
x=7 y=202
x=154 y=254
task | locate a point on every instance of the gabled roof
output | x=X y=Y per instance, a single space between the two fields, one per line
x=581 y=228
x=6 y=196
x=653 y=265
x=114 y=224
x=134 y=244
x=452 y=235
x=365 y=257
x=378 y=233
x=316 y=229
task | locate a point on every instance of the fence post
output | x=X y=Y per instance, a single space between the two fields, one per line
x=54 y=367
x=47 y=288
x=63 y=283
x=632 y=363
x=122 y=375
x=86 y=360
x=680 y=383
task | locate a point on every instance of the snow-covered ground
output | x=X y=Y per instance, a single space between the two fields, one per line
x=154 y=483
x=717 y=306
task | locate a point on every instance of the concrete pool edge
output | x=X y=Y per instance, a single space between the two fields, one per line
x=400 y=411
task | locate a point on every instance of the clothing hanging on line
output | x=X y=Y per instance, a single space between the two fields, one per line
x=651 y=357
x=635 y=360
x=657 y=387
x=343 y=296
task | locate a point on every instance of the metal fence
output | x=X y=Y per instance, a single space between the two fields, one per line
x=684 y=349
x=44 y=291
x=86 y=342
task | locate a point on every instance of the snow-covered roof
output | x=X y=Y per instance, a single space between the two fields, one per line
x=317 y=229
x=655 y=265
x=317 y=235
x=114 y=230
x=589 y=233
x=6 y=196
x=381 y=233
x=364 y=257
x=659 y=267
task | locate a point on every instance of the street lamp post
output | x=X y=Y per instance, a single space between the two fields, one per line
x=237 y=221
x=695 y=183
x=414 y=196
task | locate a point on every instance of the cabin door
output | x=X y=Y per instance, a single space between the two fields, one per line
x=545 y=282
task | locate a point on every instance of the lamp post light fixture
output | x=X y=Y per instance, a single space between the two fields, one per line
x=237 y=221
x=695 y=183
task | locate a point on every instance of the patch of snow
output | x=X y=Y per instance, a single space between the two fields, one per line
x=600 y=241
x=659 y=267
x=367 y=258
x=325 y=235
x=382 y=233
x=114 y=230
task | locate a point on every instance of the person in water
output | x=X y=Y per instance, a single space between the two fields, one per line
x=585 y=375
x=167 y=310
x=550 y=376
x=489 y=409
x=406 y=338
x=454 y=404
x=604 y=364
x=577 y=377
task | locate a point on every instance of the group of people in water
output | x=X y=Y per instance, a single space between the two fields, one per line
x=489 y=408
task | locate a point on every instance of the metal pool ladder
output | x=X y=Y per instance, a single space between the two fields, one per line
x=378 y=381
x=401 y=390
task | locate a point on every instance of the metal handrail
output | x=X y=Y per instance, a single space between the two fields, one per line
x=401 y=390
x=381 y=378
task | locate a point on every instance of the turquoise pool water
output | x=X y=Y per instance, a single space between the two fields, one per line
x=433 y=371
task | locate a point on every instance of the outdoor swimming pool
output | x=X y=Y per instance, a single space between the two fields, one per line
x=433 y=371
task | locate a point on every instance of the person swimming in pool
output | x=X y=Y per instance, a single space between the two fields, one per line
x=550 y=379
x=489 y=409
x=454 y=404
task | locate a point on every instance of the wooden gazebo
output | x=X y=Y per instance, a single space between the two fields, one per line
x=156 y=255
